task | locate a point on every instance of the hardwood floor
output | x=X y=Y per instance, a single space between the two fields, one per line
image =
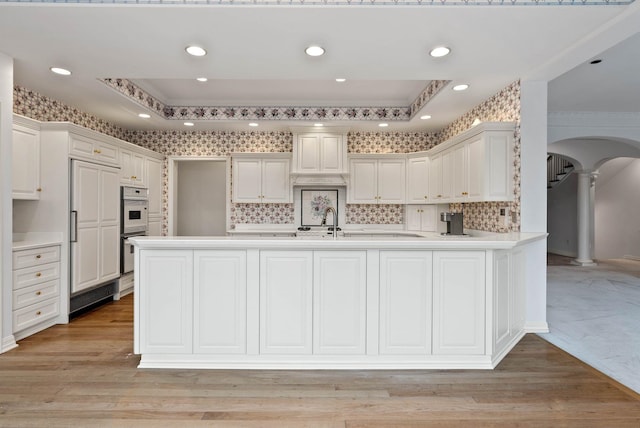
x=84 y=375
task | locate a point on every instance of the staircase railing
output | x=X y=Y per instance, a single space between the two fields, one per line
x=558 y=168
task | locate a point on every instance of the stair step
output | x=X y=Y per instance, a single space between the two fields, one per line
x=554 y=181
x=561 y=175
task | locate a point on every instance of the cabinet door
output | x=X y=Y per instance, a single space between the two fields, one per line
x=167 y=324
x=502 y=299
x=109 y=260
x=391 y=181
x=417 y=180
x=126 y=167
x=247 y=177
x=153 y=180
x=275 y=181
x=405 y=302
x=286 y=279
x=459 y=302
x=220 y=302
x=459 y=173
x=309 y=153
x=339 y=302
x=331 y=152
x=435 y=178
x=26 y=163
x=155 y=227
x=447 y=175
x=414 y=217
x=428 y=218
x=363 y=180
x=476 y=169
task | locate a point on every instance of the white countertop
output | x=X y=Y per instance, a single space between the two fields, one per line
x=426 y=241
x=27 y=241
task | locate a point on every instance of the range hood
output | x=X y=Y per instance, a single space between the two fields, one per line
x=318 y=179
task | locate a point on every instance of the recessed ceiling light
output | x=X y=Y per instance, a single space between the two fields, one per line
x=596 y=61
x=253 y=124
x=341 y=80
x=318 y=125
x=201 y=79
x=461 y=87
x=195 y=51
x=383 y=125
x=60 y=71
x=314 y=50
x=144 y=115
x=440 y=51
x=425 y=117
x=188 y=124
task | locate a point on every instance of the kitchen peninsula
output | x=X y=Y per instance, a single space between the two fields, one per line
x=405 y=302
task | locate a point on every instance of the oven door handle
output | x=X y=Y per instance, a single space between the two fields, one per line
x=74 y=226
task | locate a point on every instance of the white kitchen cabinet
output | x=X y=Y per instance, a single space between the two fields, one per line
x=36 y=289
x=286 y=295
x=220 y=302
x=319 y=153
x=418 y=180
x=261 y=178
x=422 y=218
x=508 y=297
x=155 y=227
x=132 y=168
x=459 y=175
x=405 y=302
x=93 y=150
x=459 y=302
x=339 y=302
x=96 y=232
x=376 y=179
x=153 y=171
x=168 y=327
x=440 y=172
x=26 y=159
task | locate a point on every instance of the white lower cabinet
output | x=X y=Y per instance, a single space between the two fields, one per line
x=286 y=282
x=458 y=302
x=405 y=302
x=166 y=326
x=339 y=302
x=220 y=302
x=422 y=218
x=508 y=297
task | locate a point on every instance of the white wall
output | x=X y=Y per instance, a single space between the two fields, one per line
x=617 y=208
x=201 y=198
x=6 y=238
x=562 y=206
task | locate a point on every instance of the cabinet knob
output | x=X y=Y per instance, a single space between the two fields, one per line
x=39 y=274
x=38 y=293
x=39 y=189
x=38 y=256
x=97 y=151
x=426 y=197
x=39 y=313
x=439 y=196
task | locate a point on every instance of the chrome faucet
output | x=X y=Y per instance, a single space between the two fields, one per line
x=335 y=220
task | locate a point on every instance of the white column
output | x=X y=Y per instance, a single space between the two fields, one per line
x=586 y=179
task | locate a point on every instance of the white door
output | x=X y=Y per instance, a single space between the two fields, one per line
x=417 y=180
x=405 y=302
x=309 y=153
x=247 y=177
x=435 y=178
x=363 y=179
x=414 y=214
x=286 y=280
x=220 y=302
x=391 y=181
x=330 y=153
x=109 y=224
x=459 y=173
x=476 y=169
x=275 y=180
x=339 y=302
x=447 y=175
x=154 y=184
x=26 y=163
x=458 y=302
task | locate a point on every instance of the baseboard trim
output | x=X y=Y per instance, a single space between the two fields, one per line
x=630 y=257
x=8 y=343
x=536 y=327
x=562 y=253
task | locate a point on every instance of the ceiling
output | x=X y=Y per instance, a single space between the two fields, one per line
x=256 y=57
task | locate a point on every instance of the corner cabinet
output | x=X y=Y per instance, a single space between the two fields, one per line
x=377 y=179
x=261 y=178
x=26 y=159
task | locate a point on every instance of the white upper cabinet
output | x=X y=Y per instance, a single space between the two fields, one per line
x=86 y=148
x=377 y=179
x=317 y=152
x=418 y=180
x=132 y=166
x=26 y=159
x=153 y=180
x=261 y=178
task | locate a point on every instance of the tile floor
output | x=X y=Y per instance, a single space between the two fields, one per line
x=594 y=314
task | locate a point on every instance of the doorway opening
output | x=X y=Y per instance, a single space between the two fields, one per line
x=198 y=196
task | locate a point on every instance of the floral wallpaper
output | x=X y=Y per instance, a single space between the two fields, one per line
x=504 y=106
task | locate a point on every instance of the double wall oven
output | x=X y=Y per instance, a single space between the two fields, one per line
x=134 y=222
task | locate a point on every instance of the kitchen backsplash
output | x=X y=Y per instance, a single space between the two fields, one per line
x=504 y=106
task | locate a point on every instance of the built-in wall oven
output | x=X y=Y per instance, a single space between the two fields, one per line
x=134 y=222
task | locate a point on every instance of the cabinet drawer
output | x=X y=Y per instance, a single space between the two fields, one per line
x=35 y=257
x=34 y=314
x=35 y=275
x=35 y=294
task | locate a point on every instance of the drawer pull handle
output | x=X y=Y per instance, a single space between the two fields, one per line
x=39 y=274
x=38 y=256
x=97 y=151
x=39 y=313
x=39 y=189
x=38 y=293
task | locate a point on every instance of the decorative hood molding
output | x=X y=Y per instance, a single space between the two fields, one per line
x=324 y=179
